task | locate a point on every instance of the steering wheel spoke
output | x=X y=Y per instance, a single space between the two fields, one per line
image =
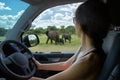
x=26 y=70
x=29 y=56
x=7 y=61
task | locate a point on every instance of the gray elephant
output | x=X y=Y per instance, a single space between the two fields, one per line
x=66 y=36
x=61 y=41
x=53 y=36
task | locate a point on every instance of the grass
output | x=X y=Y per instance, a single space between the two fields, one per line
x=2 y=38
x=67 y=47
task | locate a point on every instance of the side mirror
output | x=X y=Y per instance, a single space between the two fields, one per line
x=31 y=40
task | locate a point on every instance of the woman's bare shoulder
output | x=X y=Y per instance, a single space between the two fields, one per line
x=94 y=58
x=90 y=58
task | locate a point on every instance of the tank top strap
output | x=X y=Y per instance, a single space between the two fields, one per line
x=88 y=51
x=77 y=54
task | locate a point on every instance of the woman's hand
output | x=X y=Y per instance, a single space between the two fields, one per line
x=37 y=63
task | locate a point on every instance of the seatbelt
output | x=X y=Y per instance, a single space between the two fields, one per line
x=115 y=75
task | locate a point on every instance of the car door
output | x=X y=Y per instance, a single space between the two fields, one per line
x=53 y=21
x=50 y=57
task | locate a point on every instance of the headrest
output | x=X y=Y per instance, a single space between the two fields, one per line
x=109 y=40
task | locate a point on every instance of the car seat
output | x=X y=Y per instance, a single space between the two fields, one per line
x=111 y=47
x=115 y=75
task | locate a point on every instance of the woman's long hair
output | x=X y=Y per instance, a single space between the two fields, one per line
x=93 y=18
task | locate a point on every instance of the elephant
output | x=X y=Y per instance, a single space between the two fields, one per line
x=53 y=36
x=66 y=36
x=61 y=41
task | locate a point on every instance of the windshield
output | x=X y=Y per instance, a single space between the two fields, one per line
x=10 y=12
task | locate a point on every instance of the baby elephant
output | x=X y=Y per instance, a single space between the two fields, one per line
x=66 y=36
x=61 y=41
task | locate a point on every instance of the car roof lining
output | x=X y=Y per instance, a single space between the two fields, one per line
x=36 y=2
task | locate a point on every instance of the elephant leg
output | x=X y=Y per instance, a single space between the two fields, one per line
x=69 y=41
x=65 y=40
x=62 y=41
x=47 y=40
x=51 y=41
x=56 y=41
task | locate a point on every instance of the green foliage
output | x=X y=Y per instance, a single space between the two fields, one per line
x=70 y=29
x=2 y=38
x=36 y=31
x=2 y=31
x=51 y=28
x=61 y=30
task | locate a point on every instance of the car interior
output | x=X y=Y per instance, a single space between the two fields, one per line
x=111 y=45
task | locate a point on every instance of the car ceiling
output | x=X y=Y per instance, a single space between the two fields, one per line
x=35 y=2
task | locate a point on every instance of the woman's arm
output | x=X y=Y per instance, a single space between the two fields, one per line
x=59 y=66
x=80 y=70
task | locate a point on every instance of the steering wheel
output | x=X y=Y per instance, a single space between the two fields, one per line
x=16 y=60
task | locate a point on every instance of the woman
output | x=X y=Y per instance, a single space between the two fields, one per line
x=92 y=25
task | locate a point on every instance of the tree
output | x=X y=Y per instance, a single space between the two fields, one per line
x=36 y=31
x=62 y=29
x=52 y=28
x=70 y=29
x=2 y=31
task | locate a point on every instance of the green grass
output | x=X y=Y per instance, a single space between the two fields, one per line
x=67 y=47
x=2 y=38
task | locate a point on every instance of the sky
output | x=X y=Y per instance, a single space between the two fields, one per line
x=11 y=10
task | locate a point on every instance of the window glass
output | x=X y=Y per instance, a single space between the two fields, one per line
x=10 y=12
x=53 y=22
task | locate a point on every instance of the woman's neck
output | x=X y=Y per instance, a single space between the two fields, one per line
x=87 y=43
